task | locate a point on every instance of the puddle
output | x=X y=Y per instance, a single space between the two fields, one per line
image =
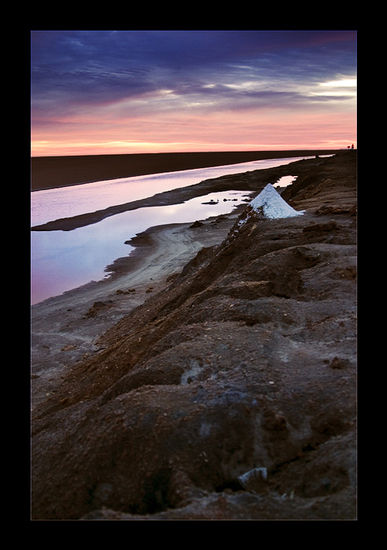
x=283 y=182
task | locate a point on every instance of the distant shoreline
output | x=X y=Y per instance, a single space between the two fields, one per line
x=63 y=171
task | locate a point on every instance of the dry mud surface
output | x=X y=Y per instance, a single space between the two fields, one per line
x=218 y=383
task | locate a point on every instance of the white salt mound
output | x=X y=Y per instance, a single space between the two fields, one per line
x=270 y=203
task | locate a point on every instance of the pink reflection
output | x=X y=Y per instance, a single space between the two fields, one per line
x=62 y=260
x=65 y=202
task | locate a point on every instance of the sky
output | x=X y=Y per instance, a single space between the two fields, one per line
x=139 y=91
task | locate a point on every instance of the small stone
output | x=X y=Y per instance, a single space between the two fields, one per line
x=196 y=224
x=253 y=479
x=339 y=363
x=68 y=347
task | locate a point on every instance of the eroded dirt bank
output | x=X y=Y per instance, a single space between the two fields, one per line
x=66 y=328
x=231 y=392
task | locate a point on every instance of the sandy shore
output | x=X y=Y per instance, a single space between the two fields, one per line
x=49 y=172
x=66 y=328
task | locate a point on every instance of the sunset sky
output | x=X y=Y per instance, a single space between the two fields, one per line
x=108 y=92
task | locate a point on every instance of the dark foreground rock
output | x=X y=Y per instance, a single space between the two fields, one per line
x=231 y=394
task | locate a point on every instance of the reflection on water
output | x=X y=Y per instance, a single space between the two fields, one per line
x=284 y=182
x=62 y=260
x=64 y=202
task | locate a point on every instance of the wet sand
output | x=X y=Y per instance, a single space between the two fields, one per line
x=61 y=171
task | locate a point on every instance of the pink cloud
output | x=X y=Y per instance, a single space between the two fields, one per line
x=182 y=131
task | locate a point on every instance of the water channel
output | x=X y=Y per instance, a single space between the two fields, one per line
x=63 y=260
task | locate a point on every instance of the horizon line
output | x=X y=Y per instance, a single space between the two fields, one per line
x=194 y=152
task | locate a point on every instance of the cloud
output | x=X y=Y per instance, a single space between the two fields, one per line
x=97 y=66
x=112 y=80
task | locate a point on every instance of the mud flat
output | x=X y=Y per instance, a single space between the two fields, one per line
x=215 y=383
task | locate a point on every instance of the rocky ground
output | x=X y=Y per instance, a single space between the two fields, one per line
x=230 y=392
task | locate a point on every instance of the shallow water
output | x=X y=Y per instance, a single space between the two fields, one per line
x=64 y=202
x=284 y=182
x=63 y=260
